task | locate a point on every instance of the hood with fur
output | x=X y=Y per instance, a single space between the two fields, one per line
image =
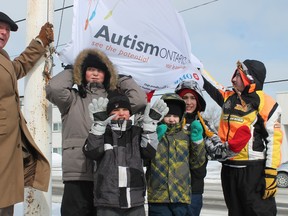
x=79 y=68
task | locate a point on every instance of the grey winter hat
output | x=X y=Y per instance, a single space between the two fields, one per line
x=6 y=19
x=194 y=88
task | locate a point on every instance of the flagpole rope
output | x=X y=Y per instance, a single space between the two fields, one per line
x=60 y=26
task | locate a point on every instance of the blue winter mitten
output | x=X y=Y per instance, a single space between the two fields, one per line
x=196 y=132
x=161 y=130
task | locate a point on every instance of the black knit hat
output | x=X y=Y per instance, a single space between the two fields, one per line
x=6 y=19
x=95 y=61
x=117 y=100
x=175 y=108
x=175 y=103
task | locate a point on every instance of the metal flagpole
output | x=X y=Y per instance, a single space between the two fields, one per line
x=36 y=108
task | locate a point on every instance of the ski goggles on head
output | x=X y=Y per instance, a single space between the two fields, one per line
x=242 y=68
x=188 y=84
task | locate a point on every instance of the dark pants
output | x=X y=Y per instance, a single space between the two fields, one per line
x=243 y=190
x=7 y=211
x=167 y=209
x=135 y=211
x=78 y=199
x=196 y=205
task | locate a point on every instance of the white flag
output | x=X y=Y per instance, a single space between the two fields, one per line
x=146 y=39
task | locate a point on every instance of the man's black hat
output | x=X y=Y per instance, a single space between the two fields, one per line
x=6 y=19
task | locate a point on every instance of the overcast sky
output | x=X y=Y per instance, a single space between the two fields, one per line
x=221 y=32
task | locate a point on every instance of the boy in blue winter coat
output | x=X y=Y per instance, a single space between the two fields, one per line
x=119 y=148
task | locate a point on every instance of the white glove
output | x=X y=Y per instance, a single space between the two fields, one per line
x=97 y=109
x=97 y=112
x=99 y=127
x=154 y=114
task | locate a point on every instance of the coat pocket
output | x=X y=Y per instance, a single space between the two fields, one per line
x=74 y=160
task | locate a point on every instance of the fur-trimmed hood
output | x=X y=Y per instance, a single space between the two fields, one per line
x=78 y=73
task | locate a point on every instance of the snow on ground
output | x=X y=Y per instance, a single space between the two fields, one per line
x=213 y=171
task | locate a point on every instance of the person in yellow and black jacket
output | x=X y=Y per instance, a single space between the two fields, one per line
x=249 y=178
x=191 y=93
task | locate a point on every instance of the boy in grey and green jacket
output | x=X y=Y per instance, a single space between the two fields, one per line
x=179 y=151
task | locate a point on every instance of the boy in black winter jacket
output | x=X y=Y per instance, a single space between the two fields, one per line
x=119 y=148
